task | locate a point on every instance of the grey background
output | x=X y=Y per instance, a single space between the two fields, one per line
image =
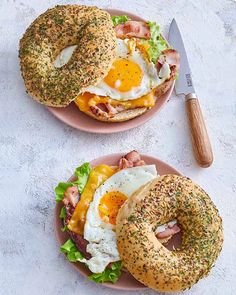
x=37 y=150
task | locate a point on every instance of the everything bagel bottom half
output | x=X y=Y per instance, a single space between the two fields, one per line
x=161 y=200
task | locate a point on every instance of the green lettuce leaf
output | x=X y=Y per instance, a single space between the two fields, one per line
x=119 y=19
x=109 y=274
x=82 y=173
x=63 y=217
x=63 y=213
x=156 y=44
x=71 y=251
x=154 y=30
x=64 y=228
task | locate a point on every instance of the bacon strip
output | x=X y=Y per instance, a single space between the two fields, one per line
x=170 y=56
x=132 y=159
x=71 y=196
x=81 y=244
x=111 y=110
x=132 y=28
x=168 y=232
x=123 y=164
x=139 y=163
x=104 y=110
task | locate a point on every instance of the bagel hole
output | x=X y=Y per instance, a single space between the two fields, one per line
x=174 y=242
x=64 y=56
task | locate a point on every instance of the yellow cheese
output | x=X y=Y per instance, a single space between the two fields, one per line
x=86 y=100
x=96 y=177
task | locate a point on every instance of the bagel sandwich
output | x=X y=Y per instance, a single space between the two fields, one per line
x=112 y=67
x=119 y=218
x=90 y=204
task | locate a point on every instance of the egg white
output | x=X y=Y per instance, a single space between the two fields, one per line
x=100 y=235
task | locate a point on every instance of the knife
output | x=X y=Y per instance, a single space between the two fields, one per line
x=184 y=85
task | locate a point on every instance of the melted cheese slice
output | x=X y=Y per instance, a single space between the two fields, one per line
x=96 y=177
x=87 y=100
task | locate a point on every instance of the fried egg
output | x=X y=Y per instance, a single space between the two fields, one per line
x=131 y=76
x=99 y=229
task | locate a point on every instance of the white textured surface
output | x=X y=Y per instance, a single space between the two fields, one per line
x=37 y=150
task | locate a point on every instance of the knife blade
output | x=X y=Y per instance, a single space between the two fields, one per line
x=184 y=85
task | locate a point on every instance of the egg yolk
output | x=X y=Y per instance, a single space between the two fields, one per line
x=124 y=75
x=96 y=177
x=109 y=206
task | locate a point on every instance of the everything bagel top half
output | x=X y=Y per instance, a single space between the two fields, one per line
x=88 y=27
x=162 y=199
x=113 y=68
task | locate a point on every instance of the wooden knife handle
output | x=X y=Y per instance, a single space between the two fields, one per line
x=200 y=140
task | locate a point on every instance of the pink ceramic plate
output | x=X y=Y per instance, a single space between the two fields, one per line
x=126 y=281
x=72 y=116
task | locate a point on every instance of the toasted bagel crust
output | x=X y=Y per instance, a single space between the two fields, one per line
x=88 y=27
x=163 y=199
